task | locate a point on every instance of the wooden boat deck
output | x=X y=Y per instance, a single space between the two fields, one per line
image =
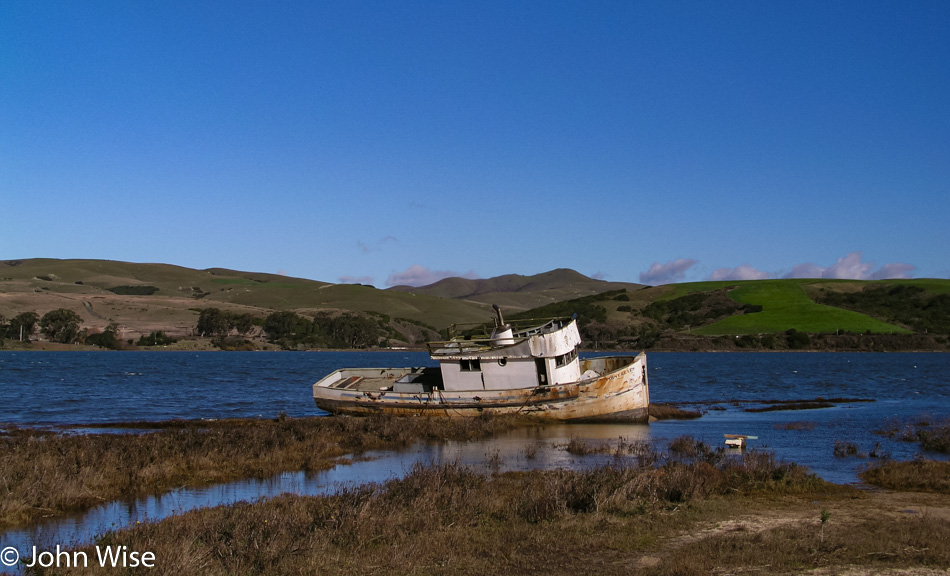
x=363 y=384
x=385 y=379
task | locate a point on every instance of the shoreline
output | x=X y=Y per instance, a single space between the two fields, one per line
x=37 y=346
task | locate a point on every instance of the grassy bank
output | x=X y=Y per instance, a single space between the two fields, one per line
x=713 y=514
x=45 y=473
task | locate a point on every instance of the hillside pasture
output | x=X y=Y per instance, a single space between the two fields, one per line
x=785 y=305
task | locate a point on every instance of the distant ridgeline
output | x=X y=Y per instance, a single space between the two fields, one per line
x=126 y=305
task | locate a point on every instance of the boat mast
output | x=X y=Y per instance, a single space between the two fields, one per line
x=502 y=335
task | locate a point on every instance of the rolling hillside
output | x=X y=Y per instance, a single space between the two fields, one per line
x=839 y=314
x=147 y=297
x=143 y=298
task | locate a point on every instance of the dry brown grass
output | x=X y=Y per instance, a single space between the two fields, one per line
x=746 y=514
x=916 y=475
x=45 y=474
x=870 y=546
x=449 y=519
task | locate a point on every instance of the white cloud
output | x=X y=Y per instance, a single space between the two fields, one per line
x=853 y=267
x=807 y=270
x=667 y=273
x=417 y=275
x=743 y=272
x=355 y=279
x=850 y=267
x=895 y=270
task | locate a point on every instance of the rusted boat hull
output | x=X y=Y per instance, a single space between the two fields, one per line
x=621 y=393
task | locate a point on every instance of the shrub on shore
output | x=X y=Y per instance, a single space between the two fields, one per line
x=155 y=338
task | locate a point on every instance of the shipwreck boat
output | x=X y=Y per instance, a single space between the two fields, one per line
x=534 y=371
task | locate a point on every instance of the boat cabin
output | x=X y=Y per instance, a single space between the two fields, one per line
x=506 y=360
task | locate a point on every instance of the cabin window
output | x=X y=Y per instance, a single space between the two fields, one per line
x=473 y=365
x=503 y=362
x=565 y=359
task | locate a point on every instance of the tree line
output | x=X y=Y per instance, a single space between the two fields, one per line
x=229 y=330
x=59 y=325
x=64 y=326
x=290 y=330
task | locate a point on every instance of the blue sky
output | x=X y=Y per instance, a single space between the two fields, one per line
x=390 y=142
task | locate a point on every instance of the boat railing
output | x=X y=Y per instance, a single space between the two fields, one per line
x=482 y=330
x=463 y=346
x=469 y=341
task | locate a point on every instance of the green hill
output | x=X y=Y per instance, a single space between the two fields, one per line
x=785 y=305
x=839 y=314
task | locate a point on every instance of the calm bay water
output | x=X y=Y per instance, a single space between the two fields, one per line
x=80 y=388
x=71 y=388
x=94 y=387
x=50 y=388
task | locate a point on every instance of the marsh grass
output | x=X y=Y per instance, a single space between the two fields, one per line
x=641 y=452
x=792 y=406
x=667 y=411
x=916 y=475
x=45 y=473
x=778 y=405
x=810 y=404
x=932 y=433
x=449 y=519
x=580 y=447
x=847 y=449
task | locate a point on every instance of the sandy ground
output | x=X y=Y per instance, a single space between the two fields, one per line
x=846 y=512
